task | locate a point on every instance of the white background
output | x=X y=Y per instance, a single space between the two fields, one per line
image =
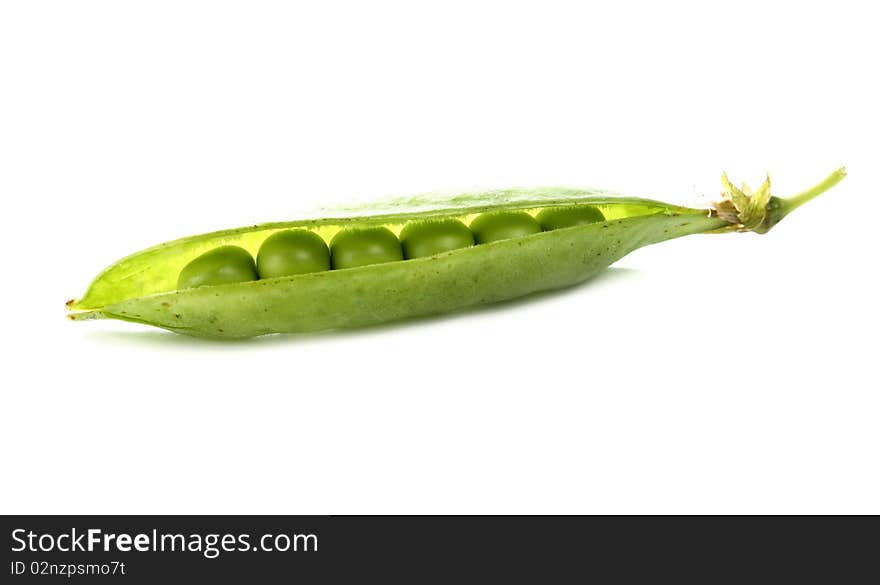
x=731 y=373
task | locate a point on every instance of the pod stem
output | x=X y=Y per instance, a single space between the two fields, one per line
x=758 y=211
x=789 y=204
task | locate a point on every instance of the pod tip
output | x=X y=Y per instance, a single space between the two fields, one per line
x=85 y=315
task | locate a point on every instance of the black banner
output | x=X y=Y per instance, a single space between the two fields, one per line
x=315 y=549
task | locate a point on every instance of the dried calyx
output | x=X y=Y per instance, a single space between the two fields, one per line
x=758 y=211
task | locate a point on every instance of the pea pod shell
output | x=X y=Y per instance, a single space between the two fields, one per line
x=381 y=293
x=155 y=269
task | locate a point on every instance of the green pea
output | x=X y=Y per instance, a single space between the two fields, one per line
x=554 y=218
x=292 y=252
x=426 y=238
x=223 y=265
x=359 y=247
x=501 y=225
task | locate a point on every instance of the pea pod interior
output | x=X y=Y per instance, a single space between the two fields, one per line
x=142 y=287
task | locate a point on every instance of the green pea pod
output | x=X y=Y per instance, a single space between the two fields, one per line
x=143 y=287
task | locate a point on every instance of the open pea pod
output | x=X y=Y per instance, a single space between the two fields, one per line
x=143 y=287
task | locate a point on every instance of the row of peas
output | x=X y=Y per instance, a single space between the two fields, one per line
x=300 y=251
